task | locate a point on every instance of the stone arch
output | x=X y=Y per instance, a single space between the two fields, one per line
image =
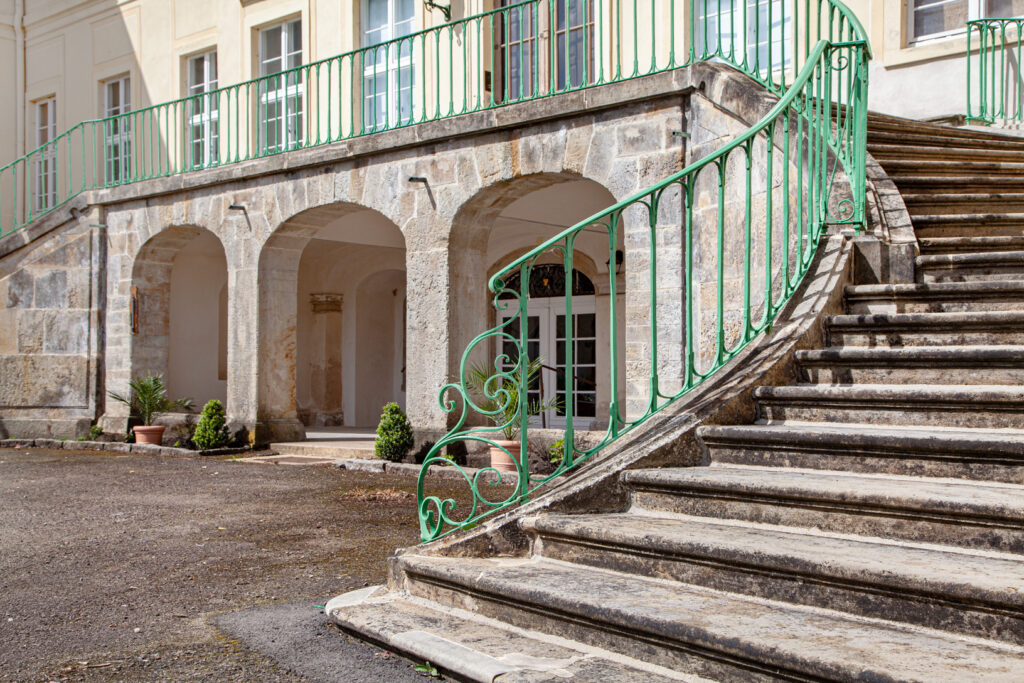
x=308 y=268
x=177 y=319
x=510 y=218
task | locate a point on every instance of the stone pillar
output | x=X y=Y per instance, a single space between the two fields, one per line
x=326 y=386
x=277 y=415
x=428 y=338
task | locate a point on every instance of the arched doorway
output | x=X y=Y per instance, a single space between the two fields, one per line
x=179 y=313
x=547 y=335
x=505 y=221
x=333 y=295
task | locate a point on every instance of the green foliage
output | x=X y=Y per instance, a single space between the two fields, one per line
x=394 y=434
x=556 y=451
x=148 y=400
x=95 y=432
x=427 y=669
x=212 y=430
x=503 y=403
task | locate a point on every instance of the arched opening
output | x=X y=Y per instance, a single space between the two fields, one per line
x=179 y=291
x=333 y=301
x=504 y=222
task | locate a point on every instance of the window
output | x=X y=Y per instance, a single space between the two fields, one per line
x=546 y=340
x=388 y=73
x=574 y=42
x=117 y=129
x=941 y=18
x=762 y=33
x=516 y=44
x=202 y=133
x=45 y=190
x=279 y=92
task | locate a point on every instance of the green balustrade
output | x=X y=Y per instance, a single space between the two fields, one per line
x=741 y=226
x=995 y=86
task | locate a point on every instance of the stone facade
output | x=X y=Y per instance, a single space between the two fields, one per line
x=621 y=137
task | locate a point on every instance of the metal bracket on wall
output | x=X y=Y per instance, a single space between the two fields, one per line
x=445 y=9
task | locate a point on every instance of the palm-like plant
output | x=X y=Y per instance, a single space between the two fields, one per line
x=147 y=399
x=502 y=402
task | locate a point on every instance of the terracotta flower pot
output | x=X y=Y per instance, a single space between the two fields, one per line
x=152 y=434
x=500 y=460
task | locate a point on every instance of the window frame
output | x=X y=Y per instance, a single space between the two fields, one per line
x=976 y=9
x=117 y=133
x=287 y=100
x=44 y=191
x=202 y=112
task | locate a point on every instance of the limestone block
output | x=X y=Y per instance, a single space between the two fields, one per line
x=19 y=289
x=67 y=332
x=42 y=380
x=51 y=289
x=639 y=137
x=31 y=330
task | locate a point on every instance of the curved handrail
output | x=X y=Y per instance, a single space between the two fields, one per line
x=817 y=126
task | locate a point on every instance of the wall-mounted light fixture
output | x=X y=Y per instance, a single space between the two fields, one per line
x=619 y=258
x=426 y=185
x=445 y=9
x=241 y=207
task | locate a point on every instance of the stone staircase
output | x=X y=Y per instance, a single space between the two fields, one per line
x=868 y=525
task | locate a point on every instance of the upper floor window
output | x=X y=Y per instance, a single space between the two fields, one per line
x=279 y=91
x=758 y=30
x=45 y=190
x=940 y=18
x=388 y=72
x=202 y=132
x=117 y=102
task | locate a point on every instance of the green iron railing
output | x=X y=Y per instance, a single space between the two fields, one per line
x=727 y=241
x=516 y=53
x=995 y=85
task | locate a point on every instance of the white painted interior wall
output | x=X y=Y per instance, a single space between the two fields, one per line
x=198 y=321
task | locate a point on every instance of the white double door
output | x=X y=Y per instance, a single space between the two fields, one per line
x=546 y=339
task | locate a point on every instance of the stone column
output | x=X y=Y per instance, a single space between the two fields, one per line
x=326 y=387
x=428 y=338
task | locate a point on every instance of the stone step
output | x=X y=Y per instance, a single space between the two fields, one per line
x=886 y=152
x=938 y=297
x=969 y=365
x=931 y=203
x=977 y=454
x=981 y=267
x=918 y=133
x=468 y=647
x=970 y=593
x=970 y=245
x=921 y=183
x=685 y=628
x=979 y=516
x=969 y=225
x=926 y=329
x=985 y=406
x=940 y=167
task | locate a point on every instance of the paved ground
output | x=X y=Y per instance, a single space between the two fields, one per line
x=135 y=568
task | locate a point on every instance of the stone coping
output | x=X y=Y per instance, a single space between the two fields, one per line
x=117 y=447
x=412 y=470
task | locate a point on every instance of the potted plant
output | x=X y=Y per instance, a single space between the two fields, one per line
x=505 y=411
x=147 y=401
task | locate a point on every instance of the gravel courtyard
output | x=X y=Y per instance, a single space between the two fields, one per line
x=115 y=567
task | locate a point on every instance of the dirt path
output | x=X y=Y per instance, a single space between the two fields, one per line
x=111 y=567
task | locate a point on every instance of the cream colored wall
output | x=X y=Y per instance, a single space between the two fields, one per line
x=199 y=274
x=923 y=80
x=9 y=67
